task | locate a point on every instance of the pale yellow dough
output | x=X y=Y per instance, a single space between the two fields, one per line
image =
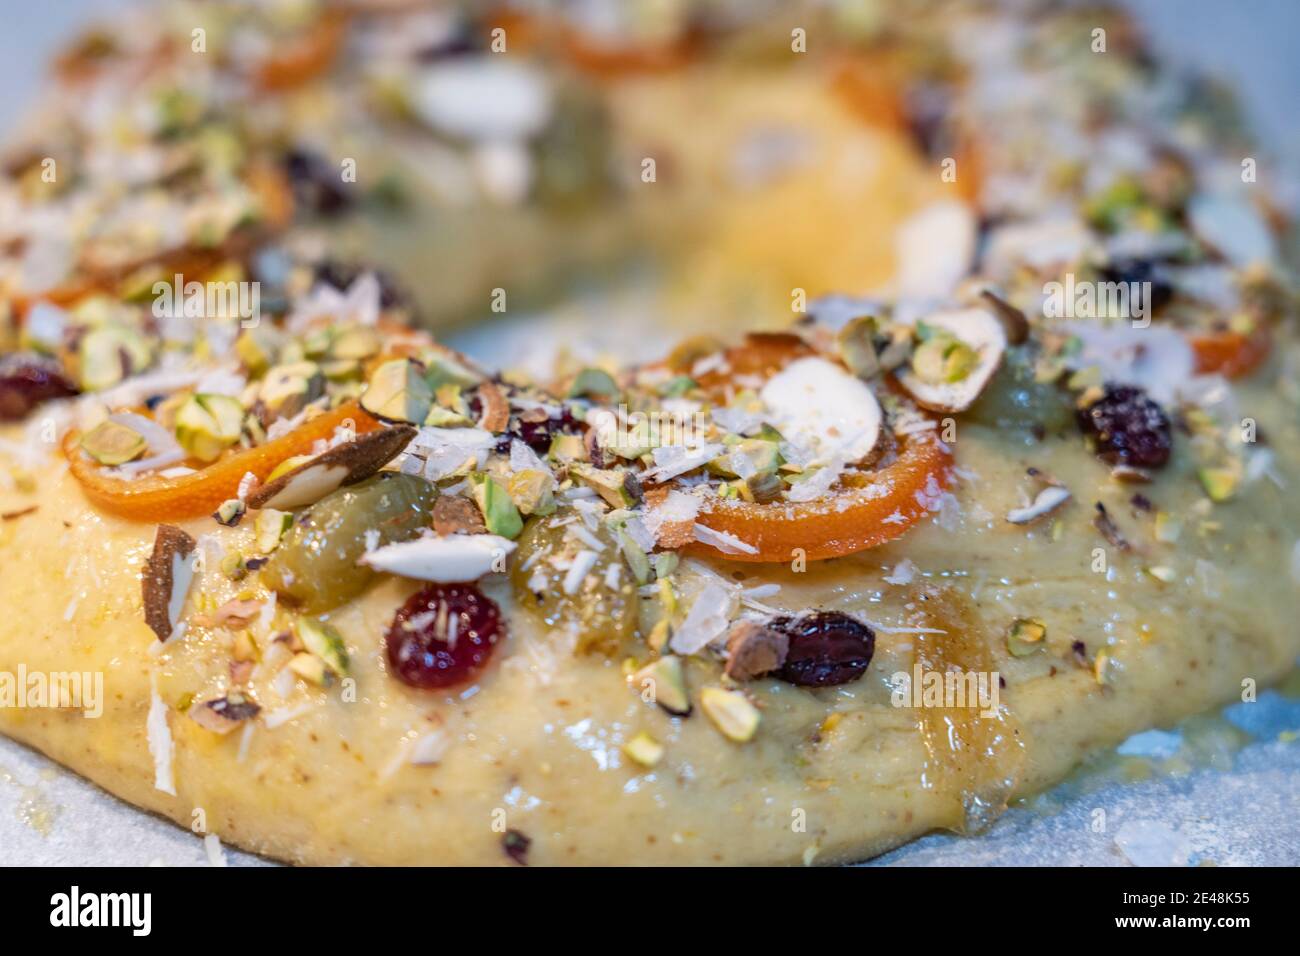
x=536 y=745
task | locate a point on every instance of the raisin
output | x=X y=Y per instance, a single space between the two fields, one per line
x=443 y=635
x=341 y=275
x=826 y=648
x=1143 y=273
x=317 y=185
x=516 y=844
x=1129 y=428
x=27 y=380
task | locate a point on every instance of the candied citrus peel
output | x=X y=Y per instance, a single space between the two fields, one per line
x=611 y=60
x=155 y=498
x=874 y=508
x=300 y=59
x=1231 y=354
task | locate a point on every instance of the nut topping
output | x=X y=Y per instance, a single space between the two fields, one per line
x=166 y=579
x=344 y=464
x=754 y=650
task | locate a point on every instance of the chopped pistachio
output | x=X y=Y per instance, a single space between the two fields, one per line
x=530 y=490
x=244 y=647
x=111 y=443
x=677 y=386
x=442 y=417
x=206 y=425
x=644 y=749
x=666 y=563
x=398 y=391
x=1219 y=483
x=109 y=354
x=311 y=668
x=341 y=370
x=449 y=396
x=316 y=342
x=667 y=596
x=636 y=558
x=355 y=342
x=731 y=712
x=857 y=346
x=233 y=566
x=256 y=349
x=747 y=458
x=593 y=382
x=270 y=528
x=442 y=369
x=764 y=487
x=943 y=358
x=325 y=642
x=620 y=488
x=1025 y=636
x=660 y=632
x=229 y=512
x=287 y=389
x=666 y=681
x=567 y=448
x=1162 y=573
x=499 y=511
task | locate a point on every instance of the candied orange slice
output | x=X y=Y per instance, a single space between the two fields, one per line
x=873 y=508
x=761 y=355
x=305 y=57
x=610 y=60
x=154 y=498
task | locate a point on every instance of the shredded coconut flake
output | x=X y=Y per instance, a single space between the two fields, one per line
x=903 y=573
x=726 y=543
x=583 y=562
x=160 y=741
x=706 y=621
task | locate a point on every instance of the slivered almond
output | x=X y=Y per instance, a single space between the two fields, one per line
x=978 y=329
x=496 y=410
x=1047 y=501
x=1013 y=320
x=166 y=579
x=344 y=464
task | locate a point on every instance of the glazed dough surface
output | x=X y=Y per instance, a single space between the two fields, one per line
x=535 y=745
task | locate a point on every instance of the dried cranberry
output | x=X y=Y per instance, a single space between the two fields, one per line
x=1128 y=427
x=826 y=648
x=536 y=431
x=26 y=380
x=443 y=635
